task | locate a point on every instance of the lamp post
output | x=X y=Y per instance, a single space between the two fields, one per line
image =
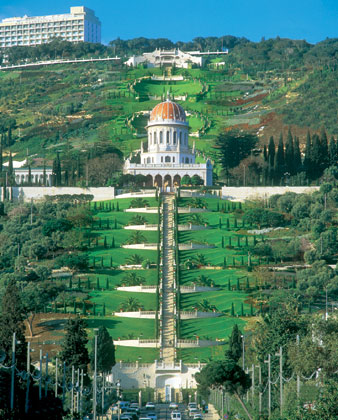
x=118 y=384
x=243 y=351
x=95 y=373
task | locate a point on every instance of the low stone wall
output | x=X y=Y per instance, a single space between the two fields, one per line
x=195 y=289
x=183 y=247
x=198 y=314
x=137 y=289
x=142 y=210
x=183 y=210
x=143 y=193
x=252 y=193
x=192 y=227
x=198 y=343
x=139 y=314
x=39 y=193
x=141 y=227
x=141 y=246
x=137 y=343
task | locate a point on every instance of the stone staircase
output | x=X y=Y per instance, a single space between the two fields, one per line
x=168 y=295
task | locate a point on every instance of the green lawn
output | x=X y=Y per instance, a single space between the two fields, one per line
x=124 y=328
x=158 y=88
x=113 y=299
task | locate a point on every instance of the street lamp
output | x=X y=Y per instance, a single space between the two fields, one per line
x=95 y=373
x=243 y=351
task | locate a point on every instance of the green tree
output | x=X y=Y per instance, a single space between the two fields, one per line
x=234 y=352
x=279 y=158
x=74 y=348
x=234 y=146
x=131 y=305
x=136 y=237
x=225 y=374
x=12 y=320
x=105 y=351
x=289 y=154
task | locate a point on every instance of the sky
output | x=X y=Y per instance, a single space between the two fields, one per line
x=312 y=20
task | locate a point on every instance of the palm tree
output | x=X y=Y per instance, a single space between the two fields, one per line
x=138 y=203
x=137 y=219
x=134 y=259
x=204 y=281
x=204 y=306
x=136 y=238
x=132 y=279
x=197 y=203
x=196 y=219
x=131 y=305
x=200 y=259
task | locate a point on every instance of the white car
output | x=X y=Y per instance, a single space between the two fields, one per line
x=198 y=416
x=175 y=415
x=150 y=405
x=173 y=406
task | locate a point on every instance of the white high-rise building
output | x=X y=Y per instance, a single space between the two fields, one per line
x=80 y=25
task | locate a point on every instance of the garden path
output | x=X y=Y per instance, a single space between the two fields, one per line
x=168 y=295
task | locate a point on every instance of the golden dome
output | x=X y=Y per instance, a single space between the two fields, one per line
x=167 y=111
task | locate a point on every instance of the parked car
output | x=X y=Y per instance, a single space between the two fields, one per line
x=175 y=415
x=198 y=416
x=134 y=405
x=153 y=416
x=173 y=406
x=150 y=405
x=192 y=405
x=193 y=411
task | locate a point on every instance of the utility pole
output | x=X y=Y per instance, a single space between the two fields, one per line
x=269 y=383
x=260 y=390
x=95 y=374
x=243 y=352
x=64 y=384
x=40 y=379
x=298 y=377
x=13 y=370
x=81 y=390
x=253 y=385
x=280 y=355
x=78 y=391
x=56 y=377
x=72 y=393
x=28 y=375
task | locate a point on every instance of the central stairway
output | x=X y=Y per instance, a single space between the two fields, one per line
x=168 y=295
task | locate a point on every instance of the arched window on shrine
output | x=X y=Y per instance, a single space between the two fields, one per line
x=168 y=137
x=175 y=136
x=167 y=159
x=155 y=136
x=180 y=137
x=161 y=137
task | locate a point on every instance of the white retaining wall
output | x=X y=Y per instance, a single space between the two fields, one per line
x=38 y=193
x=252 y=193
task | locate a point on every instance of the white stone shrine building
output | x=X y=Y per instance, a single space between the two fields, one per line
x=168 y=157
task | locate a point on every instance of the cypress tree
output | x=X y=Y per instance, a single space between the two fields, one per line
x=279 y=159
x=113 y=242
x=229 y=284
x=242 y=309
x=1 y=159
x=107 y=283
x=222 y=241
x=333 y=152
x=234 y=351
x=10 y=164
x=74 y=348
x=271 y=153
x=117 y=207
x=105 y=351
x=324 y=150
x=316 y=166
x=104 y=309
x=58 y=170
x=97 y=283
x=232 y=309
x=105 y=242
x=289 y=154
x=265 y=154
x=238 y=286
x=220 y=223
x=308 y=156
x=297 y=159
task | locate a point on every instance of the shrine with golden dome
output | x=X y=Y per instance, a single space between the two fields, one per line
x=167 y=157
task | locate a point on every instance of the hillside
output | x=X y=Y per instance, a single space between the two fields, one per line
x=263 y=88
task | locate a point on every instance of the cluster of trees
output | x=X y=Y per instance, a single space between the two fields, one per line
x=55 y=49
x=286 y=160
x=74 y=352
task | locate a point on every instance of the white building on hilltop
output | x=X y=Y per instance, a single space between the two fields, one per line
x=171 y=58
x=168 y=158
x=80 y=25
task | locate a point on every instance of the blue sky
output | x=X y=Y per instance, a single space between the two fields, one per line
x=313 y=20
